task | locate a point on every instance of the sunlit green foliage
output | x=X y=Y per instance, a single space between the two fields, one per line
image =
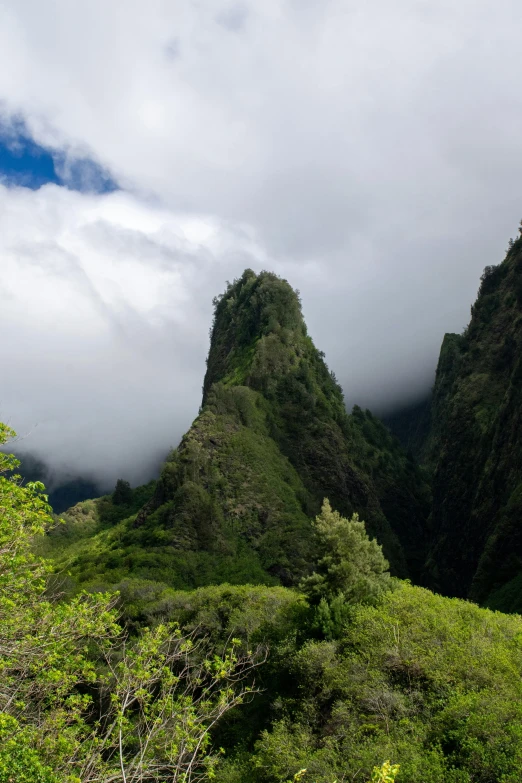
x=349 y=563
x=156 y=696
x=431 y=682
x=19 y=761
x=386 y=773
x=350 y=568
x=41 y=642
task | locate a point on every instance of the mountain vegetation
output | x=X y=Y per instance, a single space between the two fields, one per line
x=234 y=501
x=352 y=668
x=250 y=617
x=471 y=445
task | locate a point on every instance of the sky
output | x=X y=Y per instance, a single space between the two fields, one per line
x=368 y=151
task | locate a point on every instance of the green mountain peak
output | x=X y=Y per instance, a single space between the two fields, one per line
x=258 y=329
x=235 y=500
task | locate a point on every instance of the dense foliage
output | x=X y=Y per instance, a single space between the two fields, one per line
x=349 y=569
x=357 y=668
x=432 y=682
x=81 y=702
x=474 y=447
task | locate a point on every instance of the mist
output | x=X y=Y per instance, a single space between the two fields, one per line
x=368 y=153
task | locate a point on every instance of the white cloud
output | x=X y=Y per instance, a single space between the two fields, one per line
x=367 y=150
x=104 y=312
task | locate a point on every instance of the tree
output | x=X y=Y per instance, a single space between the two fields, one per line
x=80 y=702
x=350 y=565
x=163 y=697
x=122 y=494
x=41 y=642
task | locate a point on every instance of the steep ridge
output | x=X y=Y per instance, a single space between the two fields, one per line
x=235 y=499
x=475 y=447
x=259 y=339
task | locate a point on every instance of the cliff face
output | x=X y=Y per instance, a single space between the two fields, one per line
x=475 y=447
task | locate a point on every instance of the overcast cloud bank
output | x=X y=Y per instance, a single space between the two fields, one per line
x=369 y=152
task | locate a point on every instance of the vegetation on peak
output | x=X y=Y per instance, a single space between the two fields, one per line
x=269 y=388
x=258 y=327
x=235 y=500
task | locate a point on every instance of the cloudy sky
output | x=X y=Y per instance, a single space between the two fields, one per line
x=150 y=150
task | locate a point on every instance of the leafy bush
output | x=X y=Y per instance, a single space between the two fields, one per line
x=157 y=696
x=432 y=682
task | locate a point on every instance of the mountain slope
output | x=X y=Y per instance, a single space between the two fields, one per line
x=234 y=500
x=476 y=447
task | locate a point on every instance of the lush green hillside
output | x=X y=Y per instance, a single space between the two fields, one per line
x=475 y=447
x=430 y=682
x=234 y=500
x=299 y=656
x=251 y=683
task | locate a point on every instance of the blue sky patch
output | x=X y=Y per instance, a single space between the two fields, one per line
x=27 y=164
x=24 y=163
